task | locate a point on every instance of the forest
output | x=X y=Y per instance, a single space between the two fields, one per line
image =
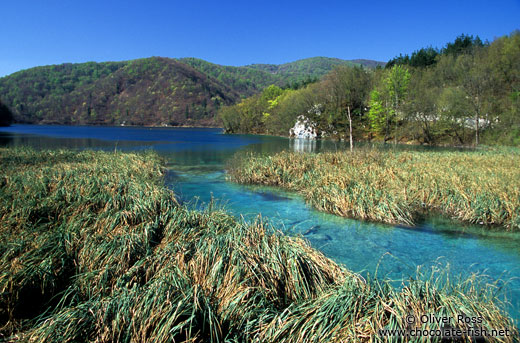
x=466 y=93
x=151 y=91
x=6 y=117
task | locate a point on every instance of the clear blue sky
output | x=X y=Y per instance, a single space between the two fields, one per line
x=40 y=32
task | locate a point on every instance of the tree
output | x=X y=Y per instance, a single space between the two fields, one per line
x=378 y=114
x=463 y=44
x=420 y=58
x=454 y=107
x=6 y=117
x=230 y=118
x=348 y=87
x=420 y=118
x=396 y=84
x=475 y=81
x=386 y=101
x=503 y=58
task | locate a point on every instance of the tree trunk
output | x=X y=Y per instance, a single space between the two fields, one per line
x=477 y=117
x=395 y=117
x=476 y=129
x=350 y=128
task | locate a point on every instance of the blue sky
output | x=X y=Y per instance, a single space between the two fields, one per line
x=39 y=32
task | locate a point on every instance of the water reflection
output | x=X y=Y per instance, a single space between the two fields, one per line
x=302 y=145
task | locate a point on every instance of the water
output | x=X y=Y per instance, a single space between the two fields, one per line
x=196 y=171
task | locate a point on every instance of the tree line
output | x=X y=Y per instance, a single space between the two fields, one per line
x=6 y=116
x=149 y=91
x=465 y=93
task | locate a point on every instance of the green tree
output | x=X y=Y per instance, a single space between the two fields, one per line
x=348 y=88
x=6 y=116
x=475 y=81
x=396 y=83
x=378 y=114
x=420 y=117
x=453 y=113
x=387 y=101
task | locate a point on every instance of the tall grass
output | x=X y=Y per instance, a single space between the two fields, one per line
x=94 y=249
x=396 y=187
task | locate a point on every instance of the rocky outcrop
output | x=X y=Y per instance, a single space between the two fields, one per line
x=303 y=128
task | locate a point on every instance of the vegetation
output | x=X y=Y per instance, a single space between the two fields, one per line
x=244 y=80
x=153 y=91
x=301 y=71
x=94 y=248
x=150 y=91
x=6 y=117
x=427 y=56
x=397 y=187
x=464 y=94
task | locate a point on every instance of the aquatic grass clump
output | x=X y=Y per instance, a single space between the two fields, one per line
x=396 y=187
x=108 y=255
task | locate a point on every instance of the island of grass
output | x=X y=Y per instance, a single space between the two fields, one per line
x=94 y=248
x=397 y=187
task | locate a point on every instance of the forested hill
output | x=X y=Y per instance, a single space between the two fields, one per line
x=149 y=91
x=313 y=68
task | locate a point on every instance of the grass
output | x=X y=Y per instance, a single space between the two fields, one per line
x=396 y=187
x=94 y=249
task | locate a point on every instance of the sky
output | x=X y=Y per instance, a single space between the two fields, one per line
x=34 y=33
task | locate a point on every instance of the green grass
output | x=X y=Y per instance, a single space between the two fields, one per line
x=93 y=248
x=397 y=187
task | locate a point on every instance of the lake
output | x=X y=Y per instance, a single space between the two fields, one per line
x=196 y=160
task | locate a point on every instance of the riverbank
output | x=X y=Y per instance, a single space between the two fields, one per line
x=397 y=187
x=95 y=248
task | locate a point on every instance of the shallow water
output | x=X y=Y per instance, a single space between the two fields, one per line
x=196 y=171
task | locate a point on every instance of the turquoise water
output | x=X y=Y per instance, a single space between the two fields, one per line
x=196 y=171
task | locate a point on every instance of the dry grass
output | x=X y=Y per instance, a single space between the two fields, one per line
x=94 y=249
x=397 y=187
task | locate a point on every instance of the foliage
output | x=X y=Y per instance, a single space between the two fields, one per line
x=151 y=91
x=424 y=57
x=95 y=249
x=470 y=95
x=348 y=88
x=378 y=114
x=387 y=101
x=310 y=68
x=462 y=45
x=326 y=103
x=420 y=58
x=244 y=80
x=6 y=116
x=467 y=96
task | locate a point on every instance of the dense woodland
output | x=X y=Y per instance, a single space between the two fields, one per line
x=6 y=117
x=465 y=93
x=150 y=91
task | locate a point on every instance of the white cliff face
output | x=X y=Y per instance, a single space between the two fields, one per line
x=303 y=128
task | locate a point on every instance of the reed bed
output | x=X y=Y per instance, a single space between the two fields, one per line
x=396 y=187
x=93 y=248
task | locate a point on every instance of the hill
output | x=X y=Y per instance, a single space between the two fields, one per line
x=150 y=91
x=245 y=80
x=314 y=67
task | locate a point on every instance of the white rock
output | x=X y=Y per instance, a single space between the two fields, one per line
x=303 y=128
